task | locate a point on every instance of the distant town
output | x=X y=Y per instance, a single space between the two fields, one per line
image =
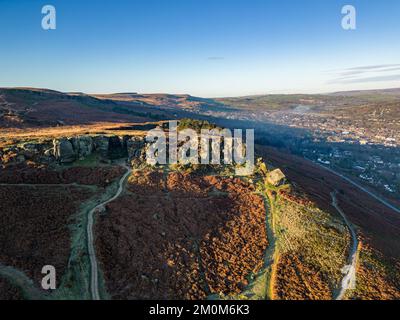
x=360 y=141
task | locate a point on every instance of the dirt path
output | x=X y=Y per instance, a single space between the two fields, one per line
x=94 y=284
x=349 y=279
x=273 y=254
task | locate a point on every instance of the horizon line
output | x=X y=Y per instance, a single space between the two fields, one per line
x=188 y=94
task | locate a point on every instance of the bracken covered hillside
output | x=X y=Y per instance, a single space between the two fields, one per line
x=181 y=236
x=184 y=231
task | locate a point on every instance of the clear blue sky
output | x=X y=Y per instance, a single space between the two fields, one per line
x=201 y=47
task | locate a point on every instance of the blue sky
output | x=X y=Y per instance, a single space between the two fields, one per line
x=202 y=47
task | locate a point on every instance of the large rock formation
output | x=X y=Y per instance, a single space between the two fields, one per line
x=67 y=150
x=101 y=145
x=83 y=146
x=117 y=148
x=136 y=148
x=64 y=151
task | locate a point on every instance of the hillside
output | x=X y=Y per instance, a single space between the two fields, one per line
x=378 y=92
x=32 y=107
x=165 y=101
x=209 y=232
x=286 y=102
x=289 y=231
x=27 y=108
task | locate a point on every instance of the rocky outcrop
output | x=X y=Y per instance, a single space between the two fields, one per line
x=68 y=150
x=136 y=148
x=117 y=148
x=83 y=146
x=101 y=145
x=64 y=151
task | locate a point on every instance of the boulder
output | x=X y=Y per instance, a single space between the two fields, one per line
x=64 y=151
x=275 y=177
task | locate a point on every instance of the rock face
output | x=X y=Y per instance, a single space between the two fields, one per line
x=117 y=148
x=68 y=150
x=101 y=145
x=109 y=147
x=83 y=146
x=64 y=151
x=276 y=177
x=136 y=148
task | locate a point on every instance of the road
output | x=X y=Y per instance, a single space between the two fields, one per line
x=349 y=279
x=94 y=278
x=376 y=197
